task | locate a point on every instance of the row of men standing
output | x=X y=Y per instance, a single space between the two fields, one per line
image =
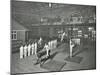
x=31 y=48
x=28 y=49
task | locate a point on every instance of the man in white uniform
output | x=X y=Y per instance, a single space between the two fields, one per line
x=25 y=50
x=72 y=44
x=55 y=43
x=21 y=52
x=52 y=44
x=47 y=50
x=29 y=49
x=33 y=48
x=49 y=44
x=35 y=45
x=77 y=42
x=62 y=36
x=40 y=41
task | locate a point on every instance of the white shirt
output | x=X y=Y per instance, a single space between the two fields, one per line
x=32 y=45
x=62 y=36
x=71 y=43
x=25 y=47
x=40 y=40
x=49 y=44
x=29 y=47
x=47 y=49
x=35 y=46
x=21 y=49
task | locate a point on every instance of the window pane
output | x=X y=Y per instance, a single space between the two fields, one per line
x=14 y=36
x=11 y=36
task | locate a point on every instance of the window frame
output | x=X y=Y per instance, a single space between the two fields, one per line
x=13 y=33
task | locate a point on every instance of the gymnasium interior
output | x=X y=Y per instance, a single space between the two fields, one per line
x=35 y=20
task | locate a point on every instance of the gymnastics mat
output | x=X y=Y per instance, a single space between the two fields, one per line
x=76 y=59
x=53 y=65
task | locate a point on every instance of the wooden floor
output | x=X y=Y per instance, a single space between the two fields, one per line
x=26 y=65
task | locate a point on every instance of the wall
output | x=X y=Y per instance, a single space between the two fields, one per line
x=21 y=30
x=51 y=30
x=21 y=35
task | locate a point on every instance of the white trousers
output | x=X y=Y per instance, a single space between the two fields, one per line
x=71 y=50
x=25 y=52
x=21 y=54
x=53 y=45
x=29 y=52
x=32 y=50
x=47 y=52
x=62 y=39
x=35 y=51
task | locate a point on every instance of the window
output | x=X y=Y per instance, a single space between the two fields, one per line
x=14 y=35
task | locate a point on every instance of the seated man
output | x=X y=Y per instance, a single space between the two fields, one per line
x=43 y=54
